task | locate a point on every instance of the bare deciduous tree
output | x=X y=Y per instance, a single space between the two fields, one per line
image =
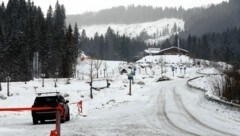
x=105 y=69
x=218 y=84
x=97 y=65
x=90 y=74
x=232 y=91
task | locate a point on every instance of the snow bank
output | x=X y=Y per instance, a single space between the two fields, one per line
x=169 y=59
x=208 y=71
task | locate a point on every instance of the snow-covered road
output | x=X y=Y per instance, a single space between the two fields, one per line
x=178 y=119
x=171 y=109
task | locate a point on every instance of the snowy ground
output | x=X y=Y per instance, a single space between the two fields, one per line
x=155 y=108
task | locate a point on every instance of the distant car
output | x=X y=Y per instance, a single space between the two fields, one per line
x=43 y=100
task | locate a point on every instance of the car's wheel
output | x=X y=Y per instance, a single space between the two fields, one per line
x=35 y=121
x=63 y=120
x=68 y=117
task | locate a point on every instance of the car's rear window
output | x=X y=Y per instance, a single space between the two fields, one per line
x=46 y=100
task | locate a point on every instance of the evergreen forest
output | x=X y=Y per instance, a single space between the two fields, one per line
x=32 y=43
x=27 y=38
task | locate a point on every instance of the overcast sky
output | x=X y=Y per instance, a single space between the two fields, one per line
x=80 y=6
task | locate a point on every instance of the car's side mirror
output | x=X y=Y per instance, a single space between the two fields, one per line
x=67 y=101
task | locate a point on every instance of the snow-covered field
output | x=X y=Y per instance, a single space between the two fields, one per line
x=154 y=108
x=134 y=30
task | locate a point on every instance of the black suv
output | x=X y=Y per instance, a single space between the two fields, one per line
x=49 y=101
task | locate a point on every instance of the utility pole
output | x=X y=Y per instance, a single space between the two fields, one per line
x=130 y=87
x=56 y=74
x=43 y=75
x=173 y=70
x=130 y=78
x=8 y=79
x=178 y=46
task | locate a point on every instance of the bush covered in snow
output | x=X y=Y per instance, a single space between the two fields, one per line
x=2 y=97
x=232 y=86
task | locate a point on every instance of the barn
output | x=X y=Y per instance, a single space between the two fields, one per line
x=167 y=51
x=173 y=51
x=152 y=51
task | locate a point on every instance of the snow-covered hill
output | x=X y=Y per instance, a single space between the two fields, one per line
x=158 y=30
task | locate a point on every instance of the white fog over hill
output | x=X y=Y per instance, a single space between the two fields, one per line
x=157 y=31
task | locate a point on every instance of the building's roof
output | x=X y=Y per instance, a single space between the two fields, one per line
x=173 y=48
x=152 y=50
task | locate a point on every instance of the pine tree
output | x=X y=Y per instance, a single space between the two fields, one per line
x=109 y=38
x=102 y=48
x=69 y=48
x=2 y=12
x=124 y=48
x=174 y=29
x=58 y=44
x=76 y=37
x=83 y=35
x=205 y=47
x=47 y=49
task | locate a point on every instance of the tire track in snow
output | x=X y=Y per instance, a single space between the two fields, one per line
x=150 y=118
x=163 y=116
x=179 y=102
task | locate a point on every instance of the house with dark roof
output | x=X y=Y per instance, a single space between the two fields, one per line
x=152 y=51
x=167 y=51
x=173 y=51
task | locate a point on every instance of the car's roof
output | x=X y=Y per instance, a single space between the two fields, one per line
x=42 y=96
x=48 y=94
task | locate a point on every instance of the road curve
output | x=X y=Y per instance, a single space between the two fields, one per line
x=174 y=116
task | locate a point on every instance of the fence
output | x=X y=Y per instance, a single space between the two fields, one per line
x=58 y=109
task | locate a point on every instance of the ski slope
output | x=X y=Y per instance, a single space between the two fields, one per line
x=134 y=30
x=154 y=108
